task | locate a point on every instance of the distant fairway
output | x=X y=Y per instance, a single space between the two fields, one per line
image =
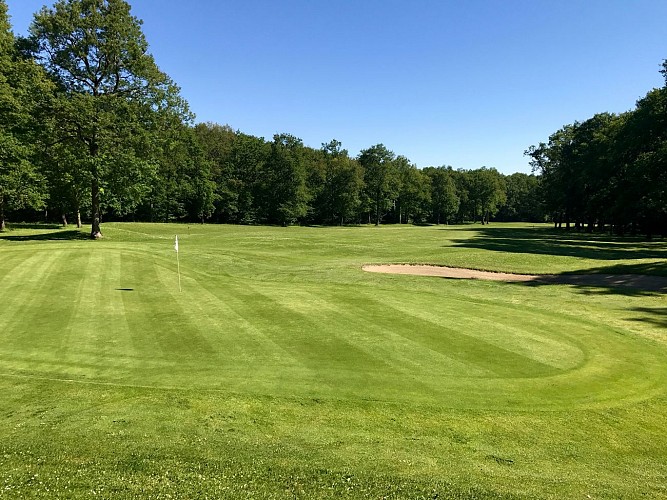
x=282 y=369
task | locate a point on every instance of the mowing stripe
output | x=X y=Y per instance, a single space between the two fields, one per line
x=532 y=337
x=22 y=297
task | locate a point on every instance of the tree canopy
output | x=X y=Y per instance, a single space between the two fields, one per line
x=90 y=127
x=112 y=102
x=24 y=92
x=609 y=170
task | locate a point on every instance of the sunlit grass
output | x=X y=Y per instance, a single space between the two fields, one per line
x=284 y=370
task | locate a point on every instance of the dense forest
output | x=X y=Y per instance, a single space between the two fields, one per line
x=90 y=127
x=609 y=170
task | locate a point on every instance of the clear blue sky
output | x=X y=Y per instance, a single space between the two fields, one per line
x=444 y=82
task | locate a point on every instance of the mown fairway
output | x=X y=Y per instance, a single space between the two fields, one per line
x=283 y=370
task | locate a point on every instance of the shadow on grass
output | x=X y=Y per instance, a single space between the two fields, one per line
x=606 y=283
x=626 y=279
x=549 y=241
x=656 y=316
x=33 y=225
x=71 y=234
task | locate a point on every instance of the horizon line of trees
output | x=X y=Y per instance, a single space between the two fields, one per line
x=90 y=126
x=284 y=182
x=248 y=180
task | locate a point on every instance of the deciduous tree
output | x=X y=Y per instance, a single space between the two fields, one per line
x=112 y=97
x=285 y=194
x=336 y=182
x=380 y=179
x=444 y=198
x=486 y=192
x=414 y=193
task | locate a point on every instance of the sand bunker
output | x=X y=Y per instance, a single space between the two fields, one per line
x=635 y=281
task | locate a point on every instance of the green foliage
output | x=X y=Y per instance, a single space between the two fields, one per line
x=108 y=133
x=23 y=92
x=444 y=198
x=112 y=99
x=182 y=188
x=284 y=193
x=481 y=193
x=414 y=194
x=487 y=190
x=609 y=169
x=336 y=182
x=68 y=179
x=380 y=179
x=644 y=134
x=523 y=199
x=217 y=144
x=326 y=186
x=115 y=139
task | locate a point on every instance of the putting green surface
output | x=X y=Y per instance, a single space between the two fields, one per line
x=281 y=359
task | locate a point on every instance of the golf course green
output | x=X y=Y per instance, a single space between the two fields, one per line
x=281 y=369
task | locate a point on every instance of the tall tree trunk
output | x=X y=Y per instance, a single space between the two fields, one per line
x=64 y=218
x=96 y=230
x=2 y=214
x=78 y=219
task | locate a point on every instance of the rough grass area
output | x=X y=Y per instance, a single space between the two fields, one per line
x=282 y=370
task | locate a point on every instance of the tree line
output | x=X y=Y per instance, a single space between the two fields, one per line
x=609 y=172
x=284 y=182
x=89 y=126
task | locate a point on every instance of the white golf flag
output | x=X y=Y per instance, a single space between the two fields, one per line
x=176 y=244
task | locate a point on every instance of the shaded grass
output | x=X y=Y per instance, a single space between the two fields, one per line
x=543 y=240
x=652 y=315
x=284 y=371
x=71 y=234
x=33 y=225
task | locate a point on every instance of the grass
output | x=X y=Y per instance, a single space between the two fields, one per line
x=282 y=370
